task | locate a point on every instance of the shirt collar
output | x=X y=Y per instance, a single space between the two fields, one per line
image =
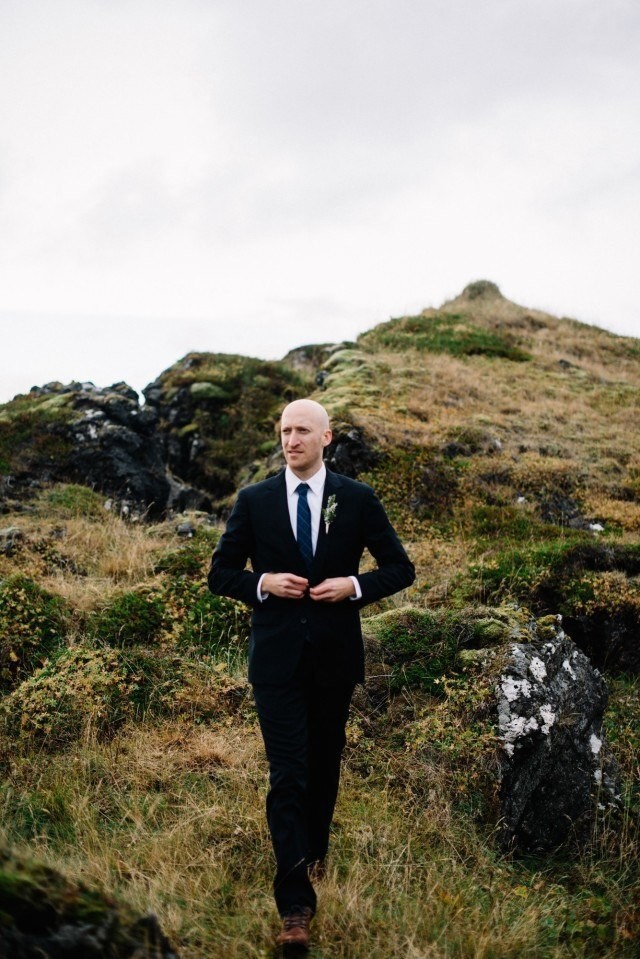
x=316 y=482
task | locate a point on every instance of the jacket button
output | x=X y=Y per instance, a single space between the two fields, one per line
x=304 y=620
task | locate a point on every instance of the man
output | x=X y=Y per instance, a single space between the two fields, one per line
x=304 y=532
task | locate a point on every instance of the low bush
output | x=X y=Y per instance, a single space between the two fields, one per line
x=132 y=618
x=33 y=623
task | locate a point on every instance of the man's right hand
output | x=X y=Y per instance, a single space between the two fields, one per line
x=284 y=585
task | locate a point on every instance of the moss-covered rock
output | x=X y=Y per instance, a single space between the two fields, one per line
x=80 y=433
x=419 y=645
x=217 y=412
x=44 y=915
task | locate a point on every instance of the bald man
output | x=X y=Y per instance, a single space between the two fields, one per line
x=304 y=532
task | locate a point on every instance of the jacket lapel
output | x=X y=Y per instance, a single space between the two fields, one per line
x=332 y=484
x=278 y=511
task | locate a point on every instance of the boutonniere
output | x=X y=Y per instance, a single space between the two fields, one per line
x=329 y=512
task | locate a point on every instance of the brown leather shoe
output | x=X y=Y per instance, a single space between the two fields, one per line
x=295 y=929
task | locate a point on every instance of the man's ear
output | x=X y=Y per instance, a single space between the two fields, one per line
x=327 y=436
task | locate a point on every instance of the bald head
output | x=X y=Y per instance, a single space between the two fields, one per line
x=308 y=408
x=305 y=432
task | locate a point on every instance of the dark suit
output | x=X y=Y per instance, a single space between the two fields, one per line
x=305 y=656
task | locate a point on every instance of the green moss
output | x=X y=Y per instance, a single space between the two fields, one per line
x=36 y=902
x=33 y=623
x=32 y=436
x=509 y=525
x=415 y=484
x=420 y=645
x=191 y=559
x=452 y=333
x=209 y=391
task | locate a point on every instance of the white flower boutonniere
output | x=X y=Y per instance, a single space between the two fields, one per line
x=329 y=512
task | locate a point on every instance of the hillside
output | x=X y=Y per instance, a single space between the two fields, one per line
x=503 y=443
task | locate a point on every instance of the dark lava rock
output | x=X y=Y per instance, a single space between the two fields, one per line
x=99 y=437
x=217 y=415
x=555 y=768
x=349 y=452
x=46 y=916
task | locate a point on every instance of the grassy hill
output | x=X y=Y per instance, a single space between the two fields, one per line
x=504 y=444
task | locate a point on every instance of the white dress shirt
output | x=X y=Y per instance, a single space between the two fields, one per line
x=314 y=499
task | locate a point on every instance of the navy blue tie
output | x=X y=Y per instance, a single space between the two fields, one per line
x=303 y=535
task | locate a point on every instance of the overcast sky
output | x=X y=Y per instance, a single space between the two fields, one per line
x=252 y=175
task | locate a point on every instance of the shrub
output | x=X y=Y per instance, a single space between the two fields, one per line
x=133 y=618
x=33 y=623
x=211 y=625
x=82 y=691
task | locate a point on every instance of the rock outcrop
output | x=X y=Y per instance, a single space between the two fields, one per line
x=99 y=437
x=533 y=698
x=216 y=414
x=555 y=769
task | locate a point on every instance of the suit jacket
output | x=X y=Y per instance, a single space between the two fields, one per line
x=259 y=530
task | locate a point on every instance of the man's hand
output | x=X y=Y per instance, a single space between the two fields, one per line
x=333 y=590
x=285 y=585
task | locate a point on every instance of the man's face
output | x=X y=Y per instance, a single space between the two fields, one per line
x=304 y=432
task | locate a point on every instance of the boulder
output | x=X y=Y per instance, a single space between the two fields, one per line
x=99 y=437
x=554 y=766
x=349 y=452
x=46 y=916
x=530 y=703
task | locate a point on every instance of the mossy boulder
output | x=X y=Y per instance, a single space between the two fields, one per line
x=97 y=437
x=421 y=646
x=418 y=645
x=44 y=915
x=517 y=730
x=217 y=413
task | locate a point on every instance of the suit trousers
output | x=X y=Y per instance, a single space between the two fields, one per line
x=303 y=727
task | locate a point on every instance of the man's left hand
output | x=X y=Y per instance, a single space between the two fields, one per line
x=333 y=590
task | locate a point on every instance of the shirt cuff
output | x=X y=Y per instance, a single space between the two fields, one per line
x=354 y=580
x=261 y=595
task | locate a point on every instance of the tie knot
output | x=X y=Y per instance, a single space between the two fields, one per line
x=302 y=489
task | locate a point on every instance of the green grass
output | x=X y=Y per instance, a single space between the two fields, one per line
x=452 y=333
